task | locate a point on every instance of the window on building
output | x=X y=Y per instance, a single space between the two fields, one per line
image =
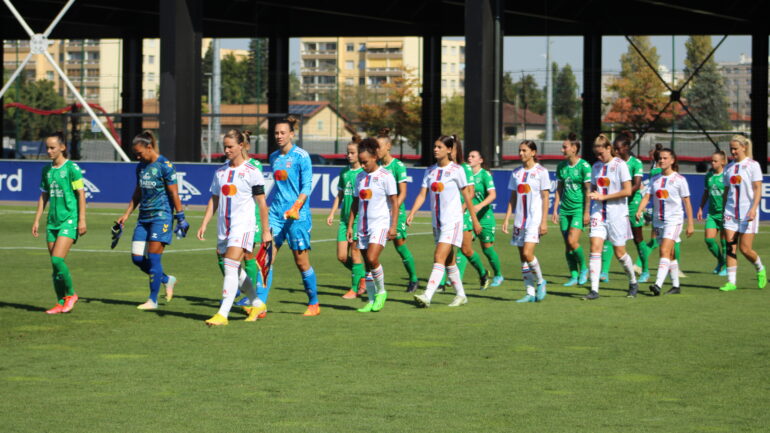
x=310 y=46
x=443 y=50
x=349 y=48
x=362 y=47
x=319 y=124
x=308 y=80
x=349 y=81
x=361 y=64
x=443 y=67
x=462 y=51
x=349 y=64
x=361 y=81
x=453 y=67
x=443 y=84
x=151 y=60
x=49 y=75
x=325 y=79
x=308 y=63
x=150 y=94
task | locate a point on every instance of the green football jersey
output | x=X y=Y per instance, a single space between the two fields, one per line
x=716 y=189
x=482 y=184
x=573 y=179
x=635 y=169
x=347 y=185
x=398 y=170
x=60 y=183
x=655 y=171
x=256 y=163
x=468 y=175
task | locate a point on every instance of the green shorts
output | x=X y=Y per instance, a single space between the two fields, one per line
x=633 y=207
x=715 y=222
x=342 y=232
x=66 y=230
x=567 y=222
x=401 y=227
x=487 y=235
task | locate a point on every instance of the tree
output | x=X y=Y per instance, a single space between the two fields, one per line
x=566 y=103
x=641 y=94
x=38 y=94
x=453 y=115
x=531 y=96
x=235 y=85
x=705 y=95
x=256 y=71
x=509 y=92
x=400 y=112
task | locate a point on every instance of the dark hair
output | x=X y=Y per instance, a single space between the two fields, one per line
x=675 y=165
x=59 y=136
x=459 y=151
x=484 y=164
x=532 y=146
x=384 y=133
x=145 y=138
x=720 y=153
x=369 y=145
x=572 y=139
x=656 y=152
x=624 y=138
x=289 y=120
x=450 y=141
x=355 y=139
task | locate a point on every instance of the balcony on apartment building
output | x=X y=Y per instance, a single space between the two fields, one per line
x=391 y=72
x=384 y=53
x=318 y=54
x=318 y=70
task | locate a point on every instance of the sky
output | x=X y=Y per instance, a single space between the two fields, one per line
x=528 y=53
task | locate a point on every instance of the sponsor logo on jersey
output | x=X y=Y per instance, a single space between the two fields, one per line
x=524 y=188
x=661 y=194
x=229 y=190
x=735 y=180
x=437 y=186
x=281 y=174
x=365 y=194
x=603 y=181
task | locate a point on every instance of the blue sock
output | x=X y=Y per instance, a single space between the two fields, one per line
x=264 y=291
x=156 y=275
x=143 y=263
x=308 y=279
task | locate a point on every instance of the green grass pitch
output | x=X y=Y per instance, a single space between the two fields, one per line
x=697 y=362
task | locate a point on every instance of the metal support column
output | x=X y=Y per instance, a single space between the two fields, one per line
x=592 y=92
x=759 y=52
x=431 y=96
x=131 y=95
x=2 y=78
x=277 y=83
x=483 y=47
x=180 y=79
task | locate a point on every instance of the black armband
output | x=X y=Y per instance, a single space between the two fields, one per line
x=258 y=190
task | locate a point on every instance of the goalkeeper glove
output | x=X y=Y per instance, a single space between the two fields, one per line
x=181 y=225
x=293 y=213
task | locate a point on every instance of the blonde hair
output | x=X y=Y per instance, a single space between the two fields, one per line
x=603 y=141
x=745 y=142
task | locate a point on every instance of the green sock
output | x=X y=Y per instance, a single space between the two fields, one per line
x=644 y=255
x=221 y=263
x=494 y=260
x=359 y=272
x=713 y=248
x=723 y=255
x=250 y=267
x=607 y=252
x=477 y=264
x=58 y=284
x=652 y=245
x=571 y=263
x=462 y=263
x=580 y=257
x=406 y=257
x=64 y=273
x=443 y=281
x=676 y=253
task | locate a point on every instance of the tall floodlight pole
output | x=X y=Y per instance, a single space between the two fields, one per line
x=549 y=92
x=216 y=93
x=38 y=44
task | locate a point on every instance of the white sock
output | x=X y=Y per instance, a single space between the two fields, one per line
x=435 y=278
x=674 y=273
x=229 y=285
x=526 y=275
x=628 y=266
x=732 y=272
x=534 y=266
x=664 y=266
x=758 y=264
x=247 y=288
x=371 y=289
x=453 y=275
x=379 y=280
x=594 y=269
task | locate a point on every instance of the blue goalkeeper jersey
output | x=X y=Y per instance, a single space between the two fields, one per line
x=292 y=176
x=152 y=179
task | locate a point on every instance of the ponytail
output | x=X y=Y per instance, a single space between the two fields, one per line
x=145 y=138
x=675 y=164
x=59 y=136
x=745 y=142
x=452 y=142
x=289 y=120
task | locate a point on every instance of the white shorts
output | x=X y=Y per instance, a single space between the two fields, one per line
x=617 y=231
x=376 y=235
x=239 y=239
x=526 y=235
x=742 y=226
x=669 y=231
x=451 y=234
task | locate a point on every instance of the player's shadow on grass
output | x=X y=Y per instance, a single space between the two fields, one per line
x=21 y=306
x=191 y=316
x=198 y=301
x=332 y=306
x=109 y=301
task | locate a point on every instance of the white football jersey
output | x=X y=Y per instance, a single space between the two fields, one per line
x=529 y=184
x=738 y=178
x=608 y=179
x=373 y=191
x=237 y=208
x=444 y=185
x=667 y=193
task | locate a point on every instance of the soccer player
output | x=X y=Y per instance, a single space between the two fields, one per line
x=484 y=194
x=571 y=207
x=398 y=170
x=610 y=186
x=529 y=186
x=347 y=251
x=61 y=185
x=468 y=253
x=375 y=208
x=743 y=191
x=447 y=182
x=155 y=193
x=239 y=185
x=289 y=210
x=714 y=192
x=670 y=193
x=622 y=146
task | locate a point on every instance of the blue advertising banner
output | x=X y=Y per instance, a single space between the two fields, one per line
x=114 y=182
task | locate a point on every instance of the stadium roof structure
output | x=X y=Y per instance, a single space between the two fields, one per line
x=181 y=23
